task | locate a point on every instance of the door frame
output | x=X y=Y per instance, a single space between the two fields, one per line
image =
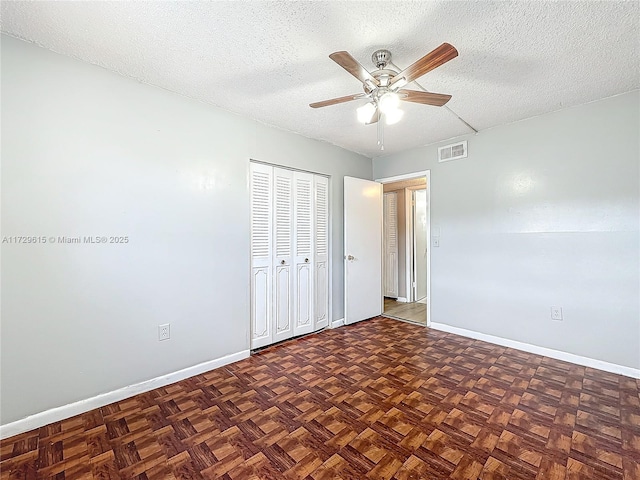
x=409 y=176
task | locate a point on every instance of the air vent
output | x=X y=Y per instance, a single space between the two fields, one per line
x=452 y=152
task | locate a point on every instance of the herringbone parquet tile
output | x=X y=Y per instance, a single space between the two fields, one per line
x=378 y=400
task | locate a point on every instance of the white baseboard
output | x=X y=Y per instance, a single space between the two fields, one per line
x=547 y=352
x=401 y=299
x=337 y=323
x=76 y=408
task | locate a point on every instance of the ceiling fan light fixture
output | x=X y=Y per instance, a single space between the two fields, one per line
x=365 y=112
x=388 y=102
x=393 y=116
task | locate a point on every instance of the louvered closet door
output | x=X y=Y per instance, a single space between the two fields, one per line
x=303 y=297
x=321 y=260
x=283 y=254
x=390 y=247
x=261 y=181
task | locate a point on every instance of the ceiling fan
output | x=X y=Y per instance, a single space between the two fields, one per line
x=384 y=86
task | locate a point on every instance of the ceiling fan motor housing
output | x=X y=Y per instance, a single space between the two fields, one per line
x=380 y=58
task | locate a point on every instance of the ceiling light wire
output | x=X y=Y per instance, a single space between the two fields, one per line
x=445 y=106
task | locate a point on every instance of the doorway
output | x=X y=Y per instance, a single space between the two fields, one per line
x=406 y=256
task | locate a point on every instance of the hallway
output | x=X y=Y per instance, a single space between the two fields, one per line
x=414 y=312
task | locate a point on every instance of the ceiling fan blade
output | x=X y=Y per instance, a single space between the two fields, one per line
x=431 y=60
x=426 y=98
x=334 y=101
x=351 y=65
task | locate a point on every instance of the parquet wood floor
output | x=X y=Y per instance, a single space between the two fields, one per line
x=381 y=399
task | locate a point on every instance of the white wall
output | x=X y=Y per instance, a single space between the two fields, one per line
x=543 y=212
x=87 y=152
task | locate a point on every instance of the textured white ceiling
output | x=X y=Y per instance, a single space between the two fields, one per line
x=269 y=60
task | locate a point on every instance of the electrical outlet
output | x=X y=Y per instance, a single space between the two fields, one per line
x=556 y=313
x=164 y=332
x=435 y=241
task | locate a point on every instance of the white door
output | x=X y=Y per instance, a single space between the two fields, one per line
x=420 y=253
x=321 y=260
x=261 y=257
x=390 y=244
x=283 y=253
x=362 y=249
x=303 y=252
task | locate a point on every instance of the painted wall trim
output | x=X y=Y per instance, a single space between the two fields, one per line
x=547 y=352
x=404 y=176
x=76 y=408
x=337 y=323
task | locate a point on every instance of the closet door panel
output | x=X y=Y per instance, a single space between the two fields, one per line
x=283 y=254
x=260 y=306
x=303 y=252
x=390 y=247
x=261 y=191
x=304 y=290
x=321 y=257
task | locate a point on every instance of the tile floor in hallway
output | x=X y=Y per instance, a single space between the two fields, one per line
x=414 y=311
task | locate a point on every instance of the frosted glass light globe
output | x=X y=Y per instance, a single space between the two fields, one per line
x=389 y=101
x=365 y=112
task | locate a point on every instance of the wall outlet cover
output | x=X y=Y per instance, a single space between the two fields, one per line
x=164 y=332
x=556 y=313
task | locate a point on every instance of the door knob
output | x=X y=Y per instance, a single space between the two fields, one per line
x=350 y=257
x=306 y=260
x=282 y=262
